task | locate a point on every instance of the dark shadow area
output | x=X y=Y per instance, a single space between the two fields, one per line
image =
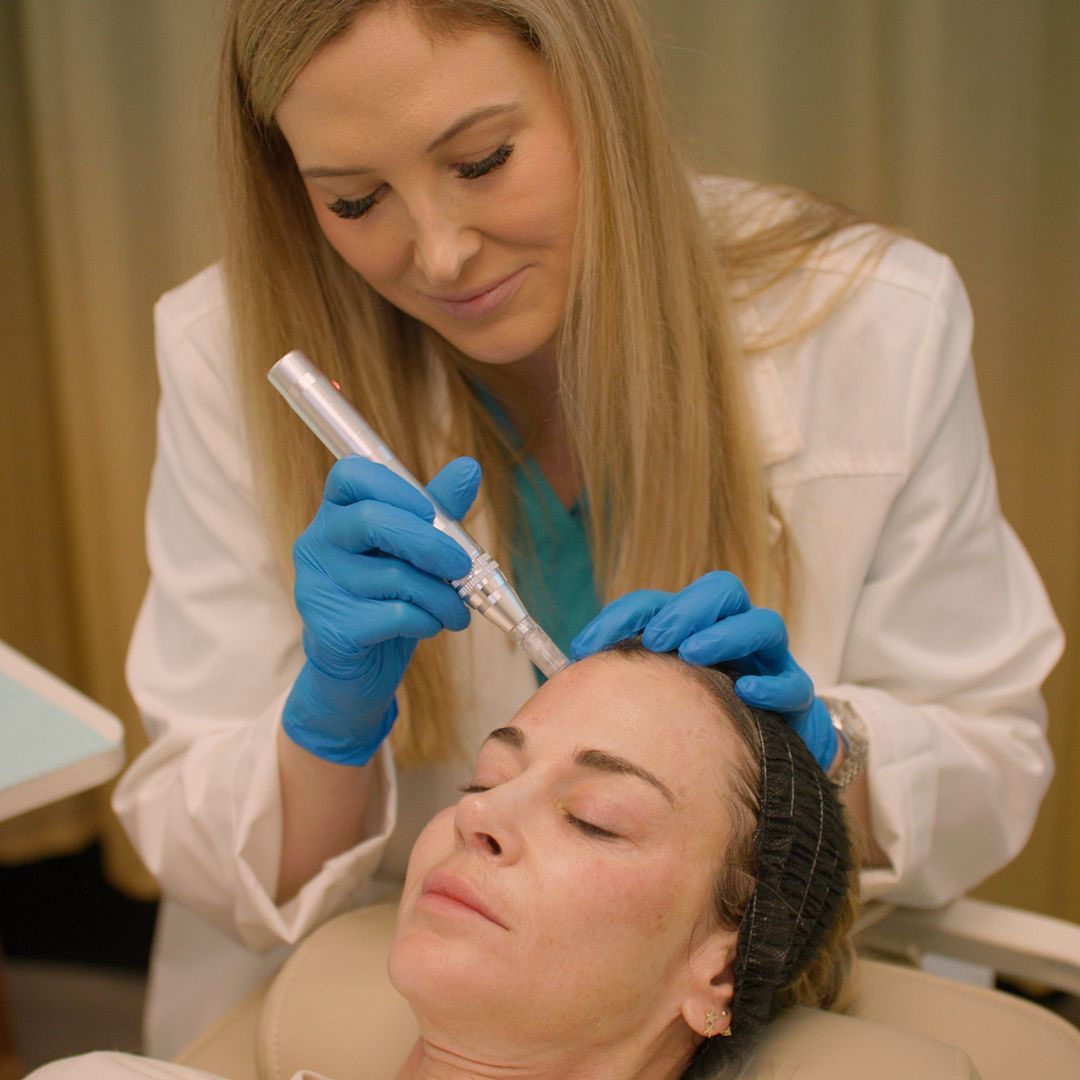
x=63 y=909
x=1065 y=1005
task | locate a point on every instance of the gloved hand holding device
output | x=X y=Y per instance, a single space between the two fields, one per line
x=712 y=621
x=371 y=580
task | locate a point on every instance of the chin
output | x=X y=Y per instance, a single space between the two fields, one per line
x=497 y=344
x=437 y=973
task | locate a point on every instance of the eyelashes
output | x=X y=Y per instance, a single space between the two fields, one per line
x=473 y=170
x=351 y=209
x=589 y=829
x=586 y=827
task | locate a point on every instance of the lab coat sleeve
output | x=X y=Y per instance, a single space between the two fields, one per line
x=213 y=655
x=950 y=641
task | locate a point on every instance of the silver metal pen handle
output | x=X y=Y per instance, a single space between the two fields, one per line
x=486 y=589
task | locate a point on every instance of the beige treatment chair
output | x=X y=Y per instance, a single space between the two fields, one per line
x=331 y=1008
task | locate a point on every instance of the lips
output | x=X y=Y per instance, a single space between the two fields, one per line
x=461 y=298
x=478 y=303
x=445 y=884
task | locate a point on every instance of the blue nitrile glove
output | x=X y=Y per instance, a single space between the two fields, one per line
x=713 y=622
x=371 y=580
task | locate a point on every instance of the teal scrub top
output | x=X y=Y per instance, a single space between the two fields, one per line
x=551 y=564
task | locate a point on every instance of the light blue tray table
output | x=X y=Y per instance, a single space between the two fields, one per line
x=54 y=741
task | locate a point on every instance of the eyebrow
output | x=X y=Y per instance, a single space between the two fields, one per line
x=600 y=760
x=456 y=128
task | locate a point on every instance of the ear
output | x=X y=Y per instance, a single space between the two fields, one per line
x=706 y=1003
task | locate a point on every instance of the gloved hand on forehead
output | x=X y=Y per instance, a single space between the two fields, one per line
x=372 y=578
x=710 y=622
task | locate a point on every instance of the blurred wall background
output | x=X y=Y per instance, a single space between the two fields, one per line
x=957 y=119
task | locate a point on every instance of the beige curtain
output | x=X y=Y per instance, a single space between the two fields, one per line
x=960 y=120
x=957 y=119
x=105 y=108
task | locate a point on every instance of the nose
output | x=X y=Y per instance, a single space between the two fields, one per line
x=485 y=823
x=442 y=246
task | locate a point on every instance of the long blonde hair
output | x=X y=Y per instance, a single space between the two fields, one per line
x=650 y=363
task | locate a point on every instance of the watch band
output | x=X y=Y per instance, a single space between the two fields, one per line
x=851 y=731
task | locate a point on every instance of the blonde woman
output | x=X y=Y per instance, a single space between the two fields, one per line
x=693 y=398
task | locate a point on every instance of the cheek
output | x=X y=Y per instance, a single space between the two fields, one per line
x=545 y=203
x=374 y=248
x=612 y=936
x=610 y=903
x=435 y=843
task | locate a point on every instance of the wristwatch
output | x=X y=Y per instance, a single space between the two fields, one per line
x=851 y=732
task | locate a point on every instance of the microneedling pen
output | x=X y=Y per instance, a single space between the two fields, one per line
x=319 y=403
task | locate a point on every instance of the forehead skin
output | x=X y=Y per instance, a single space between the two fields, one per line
x=389 y=71
x=649 y=711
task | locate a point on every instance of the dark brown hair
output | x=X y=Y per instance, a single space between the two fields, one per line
x=788 y=866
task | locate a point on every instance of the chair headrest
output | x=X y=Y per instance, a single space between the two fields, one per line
x=332 y=1010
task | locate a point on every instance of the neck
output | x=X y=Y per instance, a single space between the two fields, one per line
x=533 y=407
x=532 y=386
x=663 y=1058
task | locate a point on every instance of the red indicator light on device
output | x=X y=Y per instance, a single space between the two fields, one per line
x=336 y=385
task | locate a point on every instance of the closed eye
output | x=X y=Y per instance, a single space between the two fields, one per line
x=473 y=170
x=586 y=827
x=351 y=209
x=589 y=829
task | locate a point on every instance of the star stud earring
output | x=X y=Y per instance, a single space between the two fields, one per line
x=710 y=1024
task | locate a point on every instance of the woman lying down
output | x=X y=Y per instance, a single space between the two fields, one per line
x=640 y=874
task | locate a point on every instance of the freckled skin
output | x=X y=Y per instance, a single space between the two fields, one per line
x=601 y=934
x=376 y=97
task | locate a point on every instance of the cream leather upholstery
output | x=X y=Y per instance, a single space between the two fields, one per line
x=331 y=1009
x=1004 y=1035
x=320 y=995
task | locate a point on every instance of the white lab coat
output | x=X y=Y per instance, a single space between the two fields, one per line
x=111 y=1065
x=919 y=607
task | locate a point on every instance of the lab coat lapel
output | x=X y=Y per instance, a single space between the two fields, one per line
x=779 y=438
x=778 y=434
